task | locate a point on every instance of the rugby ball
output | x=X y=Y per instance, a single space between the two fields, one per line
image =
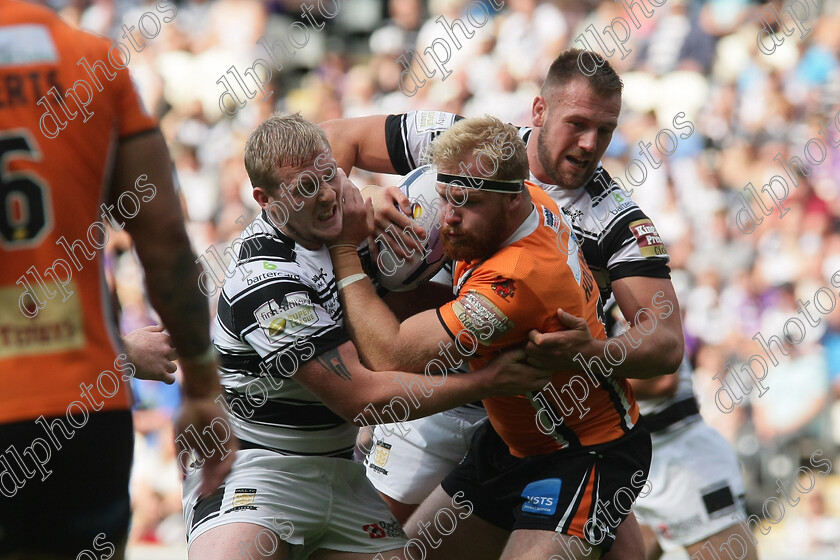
x=397 y=274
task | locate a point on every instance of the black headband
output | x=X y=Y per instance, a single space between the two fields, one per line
x=492 y=185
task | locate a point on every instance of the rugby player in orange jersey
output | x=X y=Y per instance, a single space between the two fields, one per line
x=544 y=472
x=65 y=418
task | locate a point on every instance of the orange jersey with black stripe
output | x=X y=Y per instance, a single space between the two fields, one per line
x=57 y=333
x=519 y=288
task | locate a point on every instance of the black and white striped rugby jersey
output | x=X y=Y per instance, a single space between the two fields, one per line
x=278 y=309
x=618 y=240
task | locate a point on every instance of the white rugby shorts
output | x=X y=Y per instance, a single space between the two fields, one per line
x=407 y=461
x=696 y=486
x=309 y=502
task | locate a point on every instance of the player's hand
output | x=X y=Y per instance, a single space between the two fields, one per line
x=557 y=350
x=392 y=211
x=202 y=426
x=357 y=215
x=510 y=375
x=150 y=351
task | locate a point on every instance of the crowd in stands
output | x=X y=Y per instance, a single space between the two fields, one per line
x=700 y=69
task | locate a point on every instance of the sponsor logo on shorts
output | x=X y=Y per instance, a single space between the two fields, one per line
x=427 y=121
x=679 y=527
x=650 y=244
x=244 y=496
x=242 y=499
x=374 y=531
x=718 y=500
x=382 y=529
x=381 y=454
x=541 y=496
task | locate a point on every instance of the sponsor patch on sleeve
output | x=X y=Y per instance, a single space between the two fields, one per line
x=286 y=319
x=427 y=121
x=481 y=317
x=650 y=244
x=541 y=496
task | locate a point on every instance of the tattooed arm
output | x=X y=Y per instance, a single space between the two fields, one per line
x=360 y=395
x=143 y=168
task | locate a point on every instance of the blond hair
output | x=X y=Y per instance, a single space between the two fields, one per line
x=281 y=141
x=496 y=146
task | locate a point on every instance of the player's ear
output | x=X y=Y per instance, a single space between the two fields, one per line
x=261 y=197
x=538 y=111
x=515 y=200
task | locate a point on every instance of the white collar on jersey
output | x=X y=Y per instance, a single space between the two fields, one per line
x=549 y=187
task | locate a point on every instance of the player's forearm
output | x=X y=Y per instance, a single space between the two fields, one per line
x=653 y=345
x=172 y=280
x=636 y=355
x=453 y=391
x=164 y=249
x=657 y=387
x=372 y=325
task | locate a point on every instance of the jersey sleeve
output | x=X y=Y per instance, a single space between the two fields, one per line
x=408 y=136
x=133 y=117
x=631 y=244
x=280 y=316
x=496 y=310
x=636 y=249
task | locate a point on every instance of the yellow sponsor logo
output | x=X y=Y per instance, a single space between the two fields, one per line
x=244 y=497
x=59 y=326
x=381 y=455
x=276 y=326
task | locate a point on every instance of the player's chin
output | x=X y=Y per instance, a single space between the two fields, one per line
x=572 y=176
x=460 y=250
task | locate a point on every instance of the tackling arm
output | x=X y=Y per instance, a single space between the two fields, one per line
x=653 y=344
x=383 y=341
x=351 y=390
x=359 y=142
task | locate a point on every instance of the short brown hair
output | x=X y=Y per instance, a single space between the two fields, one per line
x=281 y=141
x=603 y=81
x=482 y=136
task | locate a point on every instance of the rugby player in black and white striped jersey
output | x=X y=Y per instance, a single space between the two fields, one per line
x=292 y=377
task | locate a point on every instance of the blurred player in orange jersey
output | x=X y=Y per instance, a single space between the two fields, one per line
x=65 y=419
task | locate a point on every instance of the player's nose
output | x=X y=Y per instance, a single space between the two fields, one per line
x=588 y=140
x=327 y=193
